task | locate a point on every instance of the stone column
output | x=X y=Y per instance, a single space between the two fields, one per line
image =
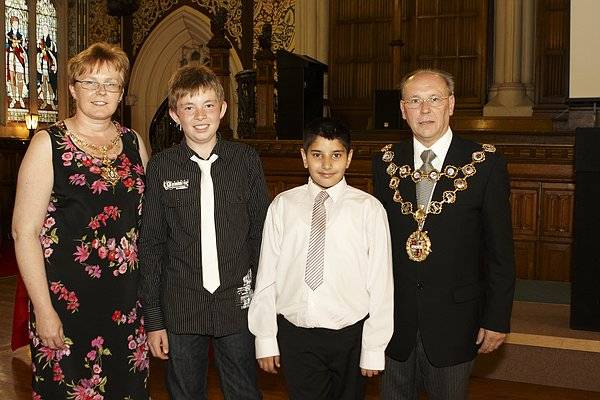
x=511 y=92
x=528 y=63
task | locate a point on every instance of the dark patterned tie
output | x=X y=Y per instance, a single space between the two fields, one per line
x=316 y=245
x=425 y=186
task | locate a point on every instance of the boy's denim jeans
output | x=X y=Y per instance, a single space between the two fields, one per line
x=234 y=358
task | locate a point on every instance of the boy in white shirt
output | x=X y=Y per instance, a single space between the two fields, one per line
x=323 y=303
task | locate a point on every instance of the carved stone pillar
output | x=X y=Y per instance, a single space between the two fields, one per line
x=219 y=62
x=265 y=86
x=527 y=63
x=511 y=92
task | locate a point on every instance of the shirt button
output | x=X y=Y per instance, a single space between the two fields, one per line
x=420 y=285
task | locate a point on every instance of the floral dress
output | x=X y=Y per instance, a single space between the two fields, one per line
x=89 y=240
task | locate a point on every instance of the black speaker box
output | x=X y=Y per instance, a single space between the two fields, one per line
x=299 y=93
x=585 y=277
x=386 y=109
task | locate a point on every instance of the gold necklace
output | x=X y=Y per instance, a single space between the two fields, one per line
x=108 y=171
x=418 y=244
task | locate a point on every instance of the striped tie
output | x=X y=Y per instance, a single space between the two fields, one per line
x=425 y=185
x=316 y=244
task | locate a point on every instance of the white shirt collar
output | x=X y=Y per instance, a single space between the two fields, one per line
x=440 y=148
x=334 y=192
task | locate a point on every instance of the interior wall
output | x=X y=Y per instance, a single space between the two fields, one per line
x=584 y=59
x=312 y=29
x=159 y=57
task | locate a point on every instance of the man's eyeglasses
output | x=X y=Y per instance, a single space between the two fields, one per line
x=93 y=85
x=432 y=101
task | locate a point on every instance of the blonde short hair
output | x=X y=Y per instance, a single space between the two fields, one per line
x=192 y=79
x=96 y=56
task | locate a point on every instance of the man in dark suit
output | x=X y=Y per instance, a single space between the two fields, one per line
x=448 y=207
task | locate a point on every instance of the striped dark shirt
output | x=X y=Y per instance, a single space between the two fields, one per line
x=171 y=290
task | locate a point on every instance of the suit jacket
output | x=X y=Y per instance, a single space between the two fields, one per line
x=467 y=281
x=171 y=289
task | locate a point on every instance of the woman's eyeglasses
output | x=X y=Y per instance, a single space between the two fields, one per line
x=93 y=85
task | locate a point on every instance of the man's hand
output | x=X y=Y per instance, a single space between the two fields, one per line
x=158 y=342
x=489 y=340
x=269 y=364
x=369 y=373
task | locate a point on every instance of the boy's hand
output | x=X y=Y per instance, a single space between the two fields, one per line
x=369 y=373
x=269 y=364
x=159 y=344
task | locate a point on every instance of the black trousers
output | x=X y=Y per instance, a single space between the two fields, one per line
x=321 y=364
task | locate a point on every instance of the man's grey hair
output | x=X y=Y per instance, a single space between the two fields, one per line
x=446 y=76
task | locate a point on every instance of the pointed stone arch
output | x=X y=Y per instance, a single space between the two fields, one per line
x=159 y=57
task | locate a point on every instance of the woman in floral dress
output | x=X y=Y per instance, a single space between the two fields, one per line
x=75 y=227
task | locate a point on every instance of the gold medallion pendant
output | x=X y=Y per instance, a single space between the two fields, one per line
x=110 y=174
x=418 y=246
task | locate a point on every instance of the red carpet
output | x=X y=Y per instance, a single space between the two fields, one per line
x=8 y=267
x=8 y=262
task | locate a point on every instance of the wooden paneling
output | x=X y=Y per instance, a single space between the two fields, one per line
x=552 y=56
x=360 y=58
x=525 y=258
x=557 y=210
x=373 y=43
x=554 y=262
x=524 y=201
x=556 y=231
x=452 y=35
x=542 y=216
x=280 y=183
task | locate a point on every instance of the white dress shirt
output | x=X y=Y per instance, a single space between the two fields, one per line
x=357 y=270
x=440 y=148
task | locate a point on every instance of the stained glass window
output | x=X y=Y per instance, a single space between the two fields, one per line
x=17 y=63
x=47 y=61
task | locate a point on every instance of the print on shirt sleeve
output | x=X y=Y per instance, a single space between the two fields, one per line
x=245 y=291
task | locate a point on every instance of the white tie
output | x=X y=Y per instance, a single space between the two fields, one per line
x=208 y=236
